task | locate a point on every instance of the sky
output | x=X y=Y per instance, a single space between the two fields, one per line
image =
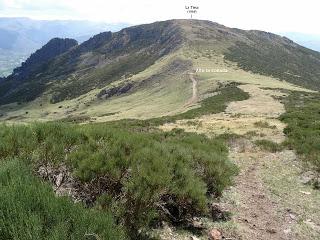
x=268 y=15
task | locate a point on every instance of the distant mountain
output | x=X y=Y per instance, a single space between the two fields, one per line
x=22 y=36
x=307 y=40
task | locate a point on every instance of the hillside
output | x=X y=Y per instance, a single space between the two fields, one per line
x=31 y=67
x=49 y=51
x=277 y=57
x=22 y=36
x=100 y=60
x=111 y=75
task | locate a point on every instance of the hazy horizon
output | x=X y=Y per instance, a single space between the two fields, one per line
x=247 y=14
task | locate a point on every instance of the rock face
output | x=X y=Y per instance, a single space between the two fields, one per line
x=42 y=56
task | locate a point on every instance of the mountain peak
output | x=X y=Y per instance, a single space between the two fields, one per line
x=49 y=51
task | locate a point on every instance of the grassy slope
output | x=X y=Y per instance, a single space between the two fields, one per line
x=161 y=97
x=279 y=58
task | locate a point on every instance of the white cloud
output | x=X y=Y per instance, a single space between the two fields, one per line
x=271 y=15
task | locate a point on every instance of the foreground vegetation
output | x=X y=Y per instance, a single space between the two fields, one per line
x=29 y=210
x=141 y=177
x=303 y=130
x=129 y=171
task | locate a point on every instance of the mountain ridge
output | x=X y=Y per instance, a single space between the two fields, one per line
x=311 y=41
x=114 y=45
x=123 y=64
x=22 y=36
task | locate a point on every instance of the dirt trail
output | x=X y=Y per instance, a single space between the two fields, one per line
x=256 y=214
x=194 y=97
x=268 y=201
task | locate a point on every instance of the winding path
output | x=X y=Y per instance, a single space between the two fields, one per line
x=194 y=97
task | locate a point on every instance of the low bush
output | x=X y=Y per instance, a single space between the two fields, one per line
x=210 y=105
x=303 y=126
x=29 y=210
x=140 y=176
x=216 y=103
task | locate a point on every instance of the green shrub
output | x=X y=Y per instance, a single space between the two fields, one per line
x=149 y=166
x=29 y=210
x=139 y=173
x=303 y=126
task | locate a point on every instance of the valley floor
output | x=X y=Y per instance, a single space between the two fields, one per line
x=269 y=199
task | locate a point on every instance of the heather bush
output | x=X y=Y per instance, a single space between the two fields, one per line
x=303 y=126
x=31 y=211
x=138 y=176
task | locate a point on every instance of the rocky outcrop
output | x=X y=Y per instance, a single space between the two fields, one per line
x=95 y=42
x=42 y=56
x=118 y=90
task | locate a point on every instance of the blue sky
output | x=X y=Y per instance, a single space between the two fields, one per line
x=271 y=15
